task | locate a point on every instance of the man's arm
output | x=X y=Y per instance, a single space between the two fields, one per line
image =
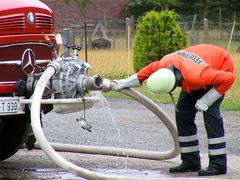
x=145 y=72
x=136 y=79
x=221 y=80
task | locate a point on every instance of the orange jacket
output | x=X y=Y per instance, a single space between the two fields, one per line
x=201 y=66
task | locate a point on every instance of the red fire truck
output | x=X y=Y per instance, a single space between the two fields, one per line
x=26 y=30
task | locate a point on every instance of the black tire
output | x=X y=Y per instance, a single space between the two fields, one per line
x=13 y=132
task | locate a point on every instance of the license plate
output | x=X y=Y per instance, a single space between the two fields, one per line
x=9 y=105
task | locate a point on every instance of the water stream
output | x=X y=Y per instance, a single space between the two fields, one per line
x=105 y=105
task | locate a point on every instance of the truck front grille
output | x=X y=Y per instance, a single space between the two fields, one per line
x=44 y=21
x=14 y=21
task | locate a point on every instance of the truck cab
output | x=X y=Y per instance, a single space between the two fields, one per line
x=26 y=32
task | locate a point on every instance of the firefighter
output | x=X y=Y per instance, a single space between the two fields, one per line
x=204 y=72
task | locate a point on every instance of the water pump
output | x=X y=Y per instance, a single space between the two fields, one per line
x=71 y=81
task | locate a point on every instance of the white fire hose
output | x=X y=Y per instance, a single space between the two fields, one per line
x=60 y=161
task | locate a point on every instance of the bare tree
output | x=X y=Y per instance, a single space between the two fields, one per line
x=82 y=5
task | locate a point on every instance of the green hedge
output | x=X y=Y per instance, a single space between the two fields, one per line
x=157 y=34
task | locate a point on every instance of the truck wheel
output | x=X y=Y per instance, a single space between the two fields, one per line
x=13 y=132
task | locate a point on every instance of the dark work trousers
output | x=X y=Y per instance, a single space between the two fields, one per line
x=187 y=131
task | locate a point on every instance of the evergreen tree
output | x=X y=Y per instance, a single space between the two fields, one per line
x=157 y=34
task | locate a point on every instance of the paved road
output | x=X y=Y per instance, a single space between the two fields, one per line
x=128 y=124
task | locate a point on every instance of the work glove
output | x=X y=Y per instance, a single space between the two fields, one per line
x=131 y=81
x=207 y=100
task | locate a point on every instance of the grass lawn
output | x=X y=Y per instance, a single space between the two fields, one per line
x=117 y=64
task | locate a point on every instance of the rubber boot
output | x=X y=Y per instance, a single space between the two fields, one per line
x=185 y=167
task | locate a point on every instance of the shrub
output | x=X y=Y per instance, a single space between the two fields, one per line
x=157 y=34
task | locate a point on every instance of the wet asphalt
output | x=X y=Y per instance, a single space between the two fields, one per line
x=118 y=123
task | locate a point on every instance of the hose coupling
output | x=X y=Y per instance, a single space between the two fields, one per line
x=106 y=86
x=56 y=64
x=86 y=83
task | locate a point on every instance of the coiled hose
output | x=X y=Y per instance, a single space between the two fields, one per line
x=60 y=161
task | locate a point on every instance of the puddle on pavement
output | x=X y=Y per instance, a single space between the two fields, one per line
x=56 y=174
x=144 y=173
x=51 y=173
